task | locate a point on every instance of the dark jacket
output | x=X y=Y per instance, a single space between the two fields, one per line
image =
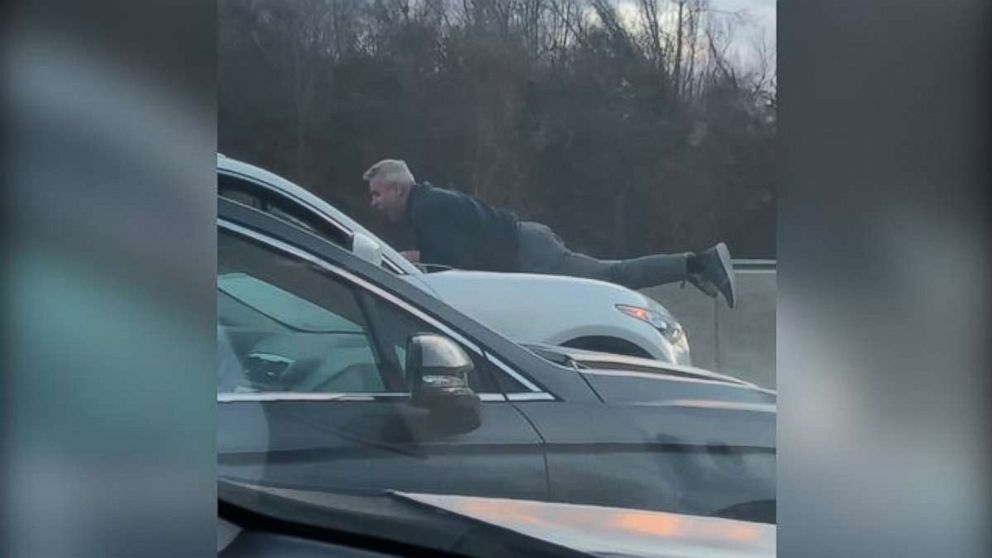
x=460 y=231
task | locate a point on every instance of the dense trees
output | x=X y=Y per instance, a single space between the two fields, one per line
x=623 y=124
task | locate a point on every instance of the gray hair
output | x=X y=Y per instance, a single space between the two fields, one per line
x=393 y=171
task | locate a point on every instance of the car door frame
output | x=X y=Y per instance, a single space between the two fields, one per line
x=541 y=379
x=254 y=224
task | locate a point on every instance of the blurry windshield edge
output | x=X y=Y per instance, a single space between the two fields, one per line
x=384 y=522
x=470 y=525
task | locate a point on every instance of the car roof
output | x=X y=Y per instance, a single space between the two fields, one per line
x=287 y=187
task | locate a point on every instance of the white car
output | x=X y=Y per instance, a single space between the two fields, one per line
x=549 y=309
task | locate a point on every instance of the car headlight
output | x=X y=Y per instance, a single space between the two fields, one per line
x=668 y=327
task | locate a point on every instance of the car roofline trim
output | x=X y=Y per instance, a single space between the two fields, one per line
x=513 y=373
x=541 y=396
x=255 y=396
x=675 y=378
x=260 y=397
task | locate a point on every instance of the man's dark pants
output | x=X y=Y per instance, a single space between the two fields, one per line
x=540 y=250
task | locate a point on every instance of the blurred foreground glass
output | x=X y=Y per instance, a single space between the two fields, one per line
x=884 y=280
x=108 y=386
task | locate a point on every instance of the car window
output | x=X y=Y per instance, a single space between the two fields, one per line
x=508 y=385
x=244 y=192
x=283 y=306
x=255 y=196
x=288 y=328
x=285 y=325
x=394 y=327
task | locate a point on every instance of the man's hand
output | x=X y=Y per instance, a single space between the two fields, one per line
x=412 y=255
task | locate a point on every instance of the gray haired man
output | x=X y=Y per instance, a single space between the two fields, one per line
x=457 y=230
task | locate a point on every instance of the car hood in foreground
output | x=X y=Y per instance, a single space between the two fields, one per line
x=614 y=531
x=591 y=361
x=638 y=381
x=444 y=522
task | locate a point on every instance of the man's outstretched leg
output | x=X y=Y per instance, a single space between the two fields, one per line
x=711 y=271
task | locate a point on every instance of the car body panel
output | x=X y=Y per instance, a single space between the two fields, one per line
x=665 y=457
x=495 y=297
x=698 y=452
x=363 y=446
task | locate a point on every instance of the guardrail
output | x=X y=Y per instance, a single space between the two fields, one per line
x=755 y=265
x=738 y=341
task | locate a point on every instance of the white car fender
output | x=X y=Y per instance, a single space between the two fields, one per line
x=547 y=308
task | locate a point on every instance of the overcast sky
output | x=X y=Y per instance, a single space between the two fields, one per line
x=761 y=14
x=758 y=15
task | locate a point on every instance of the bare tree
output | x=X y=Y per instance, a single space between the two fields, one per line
x=619 y=131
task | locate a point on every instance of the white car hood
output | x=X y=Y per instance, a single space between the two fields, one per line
x=544 y=308
x=470 y=285
x=507 y=302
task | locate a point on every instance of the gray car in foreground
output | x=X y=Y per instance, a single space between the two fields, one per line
x=259 y=521
x=336 y=376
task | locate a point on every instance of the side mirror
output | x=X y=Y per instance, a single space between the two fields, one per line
x=438 y=370
x=366 y=249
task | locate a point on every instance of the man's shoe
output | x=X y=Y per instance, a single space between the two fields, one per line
x=713 y=272
x=709 y=289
